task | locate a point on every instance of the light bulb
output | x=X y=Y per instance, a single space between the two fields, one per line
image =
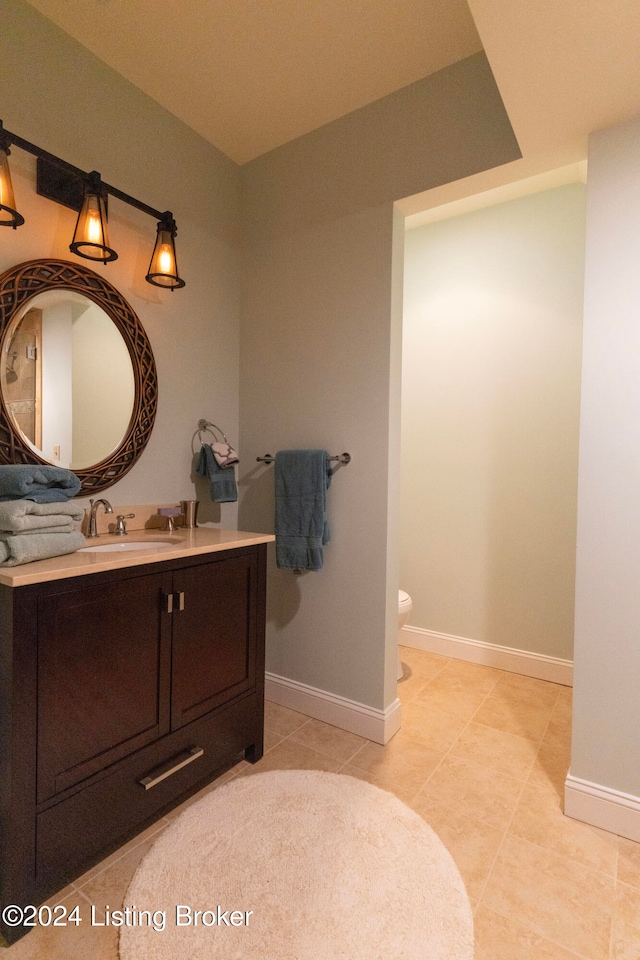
x=94 y=230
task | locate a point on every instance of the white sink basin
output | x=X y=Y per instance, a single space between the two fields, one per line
x=123 y=545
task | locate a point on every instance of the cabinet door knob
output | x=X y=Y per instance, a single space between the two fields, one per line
x=180 y=599
x=168 y=602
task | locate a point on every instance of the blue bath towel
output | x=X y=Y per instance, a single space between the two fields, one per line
x=222 y=481
x=39 y=482
x=302 y=478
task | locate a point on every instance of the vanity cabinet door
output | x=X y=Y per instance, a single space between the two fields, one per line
x=103 y=674
x=214 y=635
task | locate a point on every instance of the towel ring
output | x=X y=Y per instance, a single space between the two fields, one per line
x=206 y=425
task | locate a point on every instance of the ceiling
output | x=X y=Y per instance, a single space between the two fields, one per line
x=250 y=75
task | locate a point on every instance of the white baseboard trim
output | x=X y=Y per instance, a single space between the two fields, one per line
x=602 y=807
x=490 y=654
x=376 y=725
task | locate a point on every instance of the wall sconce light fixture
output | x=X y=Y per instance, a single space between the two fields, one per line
x=90 y=238
x=88 y=194
x=163 y=269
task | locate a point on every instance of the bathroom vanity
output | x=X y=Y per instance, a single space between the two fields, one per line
x=128 y=680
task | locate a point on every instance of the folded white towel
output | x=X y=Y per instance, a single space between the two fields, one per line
x=20 y=516
x=24 y=549
x=70 y=527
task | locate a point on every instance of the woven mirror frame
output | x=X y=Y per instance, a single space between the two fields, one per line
x=18 y=286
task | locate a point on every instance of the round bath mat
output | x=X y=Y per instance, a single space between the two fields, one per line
x=297 y=865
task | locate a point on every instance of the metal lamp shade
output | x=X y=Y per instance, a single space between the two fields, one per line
x=91 y=237
x=9 y=216
x=163 y=269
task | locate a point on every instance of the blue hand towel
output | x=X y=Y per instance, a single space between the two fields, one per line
x=39 y=482
x=302 y=478
x=223 y=486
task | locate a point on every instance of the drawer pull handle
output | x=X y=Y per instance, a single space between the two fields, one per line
x=156 y=777
x=180 y=599
x=168 y=599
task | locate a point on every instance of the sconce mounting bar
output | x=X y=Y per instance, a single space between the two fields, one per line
x=87 y=193
x=55 y=186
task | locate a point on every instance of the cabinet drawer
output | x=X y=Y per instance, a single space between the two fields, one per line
x=85 y=826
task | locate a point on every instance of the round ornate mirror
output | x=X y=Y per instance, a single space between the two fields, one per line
x=78 y=383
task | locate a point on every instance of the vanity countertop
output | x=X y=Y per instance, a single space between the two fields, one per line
x=182 y=543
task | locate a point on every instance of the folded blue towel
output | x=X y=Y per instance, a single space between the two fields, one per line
x=302 y=478
x=39 y=482
x=223 y=486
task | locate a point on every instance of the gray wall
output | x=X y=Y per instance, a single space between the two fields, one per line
x=321 y=325
x=321 y=322
x=56 y=94
x=607 y=633
x=490 y=420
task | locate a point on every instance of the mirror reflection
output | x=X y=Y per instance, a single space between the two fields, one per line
x=67 y=379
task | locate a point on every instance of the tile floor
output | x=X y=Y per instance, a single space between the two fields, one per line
x=482 y=756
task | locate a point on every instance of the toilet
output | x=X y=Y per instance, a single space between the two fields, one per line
x=404 y=609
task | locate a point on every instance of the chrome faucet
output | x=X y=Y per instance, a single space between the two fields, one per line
x=93 y=532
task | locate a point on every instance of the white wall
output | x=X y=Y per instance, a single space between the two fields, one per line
x=57 y=380
x=103 y=386
x=490 y=412
x=321 y=349
x=607 y=636
x=58 y=95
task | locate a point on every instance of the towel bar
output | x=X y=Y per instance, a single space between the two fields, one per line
x=342 y=458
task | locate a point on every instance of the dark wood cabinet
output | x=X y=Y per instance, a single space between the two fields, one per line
x=121 y=693
x=213 y=653
x=104 y=655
